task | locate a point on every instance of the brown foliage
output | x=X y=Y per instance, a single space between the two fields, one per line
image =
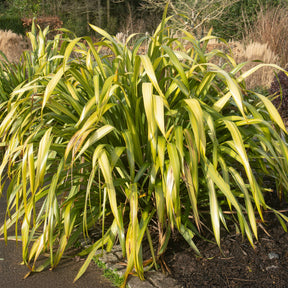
x=53 y=22
x=271 y=28
x=257 y=51
x=249 y=53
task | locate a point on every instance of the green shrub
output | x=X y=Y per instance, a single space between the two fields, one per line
x=122 y=141
x=241 y=16
x=12 y=23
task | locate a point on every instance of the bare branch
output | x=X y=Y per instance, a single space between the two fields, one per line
x=192 y=14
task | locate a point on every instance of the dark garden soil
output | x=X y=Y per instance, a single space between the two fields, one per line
x=238 y=265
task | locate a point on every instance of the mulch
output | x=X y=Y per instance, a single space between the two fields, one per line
x=237 y=264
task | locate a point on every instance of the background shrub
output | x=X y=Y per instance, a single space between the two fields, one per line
x=13 y=23
x=236 y=19
x=53 y=22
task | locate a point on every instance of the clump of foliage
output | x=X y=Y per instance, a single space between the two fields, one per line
x=237 y=18
x=279 y=90
x=122 y=141
x=12 y=23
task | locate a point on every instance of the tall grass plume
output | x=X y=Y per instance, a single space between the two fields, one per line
x=12 y=45
x=271 y=28
x=255 y=51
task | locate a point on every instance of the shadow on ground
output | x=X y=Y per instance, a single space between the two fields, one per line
x=12 y=272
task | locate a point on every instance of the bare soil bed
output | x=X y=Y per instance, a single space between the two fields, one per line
x=238 y=265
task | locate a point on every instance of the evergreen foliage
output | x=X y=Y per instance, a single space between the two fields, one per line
x=134 y=140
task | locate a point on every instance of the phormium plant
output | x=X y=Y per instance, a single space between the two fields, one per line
x=122 y=141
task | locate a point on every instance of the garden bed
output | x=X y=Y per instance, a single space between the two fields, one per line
x=239 y=265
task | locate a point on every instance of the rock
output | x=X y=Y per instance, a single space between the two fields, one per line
x=273 y=256
x=108 y=258
x=99 y=252
x=271 y=267
x=118 y=269
x=160 y=280
x=116 y=248
x=135 y=282
x=119 y=255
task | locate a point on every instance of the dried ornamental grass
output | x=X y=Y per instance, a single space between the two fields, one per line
x=256 y=51
x=271 y=28
x=12 y=45
x=252 y=54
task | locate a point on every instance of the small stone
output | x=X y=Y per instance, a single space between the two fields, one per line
x=271 y=267
x=108 y=258
x=118 y=269
x=118 y=254
x=114 y=266
x=160 y=280
x=116 y=248
x=85 y=243
x=135 y=282
x=77 y=258
x=273 y=256
x=99 y=252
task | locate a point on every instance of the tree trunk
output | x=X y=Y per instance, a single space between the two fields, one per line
x=108 y=12
x=87 y=15
x=99 y=14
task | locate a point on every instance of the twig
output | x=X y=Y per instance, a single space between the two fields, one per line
x=239 y=279
x=261 y=226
